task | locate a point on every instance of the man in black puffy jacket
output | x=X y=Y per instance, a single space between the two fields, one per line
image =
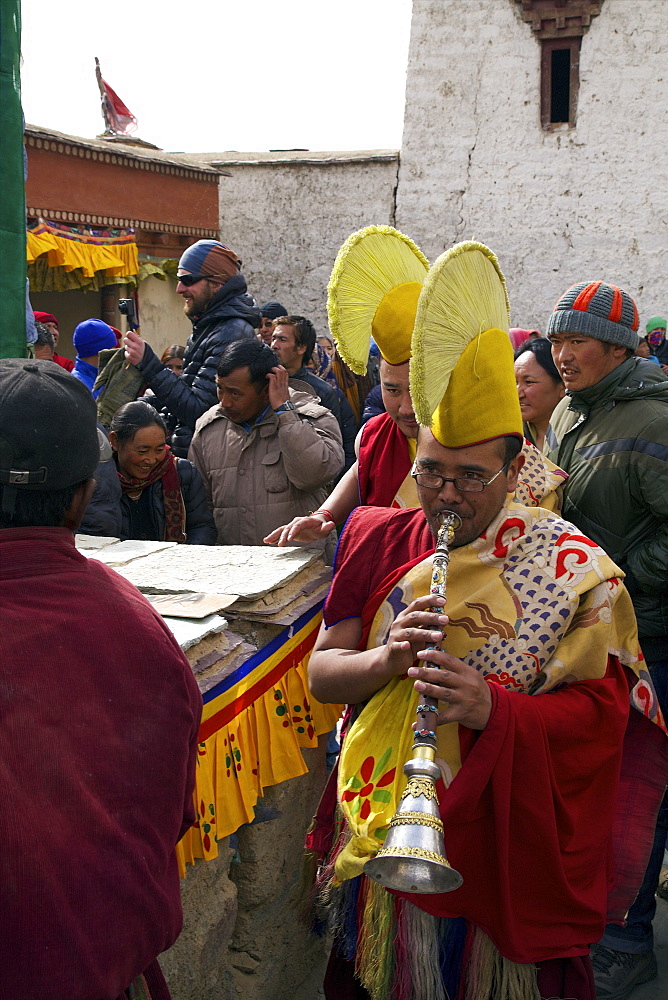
x=220 y=309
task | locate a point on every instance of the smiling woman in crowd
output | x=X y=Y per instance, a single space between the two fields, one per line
x=163 y=497
x=539 y=387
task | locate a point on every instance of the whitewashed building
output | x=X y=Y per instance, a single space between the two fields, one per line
x=536 y=126
x=540 y=127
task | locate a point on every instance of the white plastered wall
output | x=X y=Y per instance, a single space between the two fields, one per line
x=288 y=221
x=161 y=313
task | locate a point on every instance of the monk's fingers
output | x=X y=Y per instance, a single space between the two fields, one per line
x=439 y=658
x=437 y=691
x=435 y=682
x=423 y=603
x=308 y=529
x=463 y=693
x=421 y=620
x=283 y=536
x=398 y=646
x=418 y=636
x=275 y=536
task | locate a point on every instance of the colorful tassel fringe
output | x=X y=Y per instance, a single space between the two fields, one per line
x=374 y=962
x=491 y=975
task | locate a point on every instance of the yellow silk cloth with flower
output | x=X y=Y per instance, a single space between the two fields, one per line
x=533 y=605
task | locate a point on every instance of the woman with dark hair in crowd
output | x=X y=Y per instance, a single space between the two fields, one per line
x=539 y=387
x=162 y=497
x=172 y=358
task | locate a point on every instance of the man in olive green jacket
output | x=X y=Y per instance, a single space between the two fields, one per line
x=611 y=433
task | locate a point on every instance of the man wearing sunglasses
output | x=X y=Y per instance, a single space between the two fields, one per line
x=216 y=301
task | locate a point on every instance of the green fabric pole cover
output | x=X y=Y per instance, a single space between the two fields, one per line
x=12 y=187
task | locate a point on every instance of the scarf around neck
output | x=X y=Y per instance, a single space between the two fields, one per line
x=167 y=472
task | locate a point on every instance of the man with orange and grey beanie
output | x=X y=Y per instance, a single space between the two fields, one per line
x=612 y=440
x=217 y=303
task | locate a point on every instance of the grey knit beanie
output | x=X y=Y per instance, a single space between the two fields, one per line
x=597 y=310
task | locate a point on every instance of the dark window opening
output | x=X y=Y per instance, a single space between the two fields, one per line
x=560 y=86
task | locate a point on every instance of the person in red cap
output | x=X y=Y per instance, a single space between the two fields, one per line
x=611 y=434
x=51 y=323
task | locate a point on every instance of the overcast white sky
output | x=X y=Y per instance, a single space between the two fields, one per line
x=212 y=75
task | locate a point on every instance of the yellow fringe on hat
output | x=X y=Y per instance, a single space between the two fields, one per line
x=368 y=268
x=461 y=378
x=463 y=295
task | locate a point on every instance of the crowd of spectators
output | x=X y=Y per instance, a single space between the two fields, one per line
x=241 y=437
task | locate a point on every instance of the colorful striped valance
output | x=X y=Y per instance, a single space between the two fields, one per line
x=255 y=724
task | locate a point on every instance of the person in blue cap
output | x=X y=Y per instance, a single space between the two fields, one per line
x=89 y=338
x=216 y=301
x=269 y=311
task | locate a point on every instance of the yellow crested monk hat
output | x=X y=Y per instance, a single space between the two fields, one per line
x=462 y=378
x=374 y=290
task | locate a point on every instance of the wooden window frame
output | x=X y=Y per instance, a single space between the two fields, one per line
x=548 y=46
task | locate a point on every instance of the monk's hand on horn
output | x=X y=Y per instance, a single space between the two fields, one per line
x=462 y=691
x=415 y=627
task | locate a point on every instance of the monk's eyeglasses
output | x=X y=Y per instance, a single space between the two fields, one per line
x=468 y=484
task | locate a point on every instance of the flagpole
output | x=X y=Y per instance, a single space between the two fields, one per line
x=103 y=97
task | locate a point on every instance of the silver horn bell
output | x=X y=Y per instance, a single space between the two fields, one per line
x=413 y=856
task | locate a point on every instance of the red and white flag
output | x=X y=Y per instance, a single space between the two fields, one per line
x=121 y=118
x=118 y=118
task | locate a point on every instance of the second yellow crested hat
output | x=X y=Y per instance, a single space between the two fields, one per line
x=374 y=290
x=462 y=378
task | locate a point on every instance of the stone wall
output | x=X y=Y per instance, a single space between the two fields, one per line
x=556 y=206
x=243 y=936
x=287 y=218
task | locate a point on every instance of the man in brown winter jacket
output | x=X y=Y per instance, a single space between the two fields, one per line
x=265 y=452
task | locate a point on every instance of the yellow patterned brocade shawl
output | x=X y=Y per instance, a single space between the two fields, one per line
x=533 y=605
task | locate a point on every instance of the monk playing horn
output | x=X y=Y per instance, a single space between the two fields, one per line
x=543 y=698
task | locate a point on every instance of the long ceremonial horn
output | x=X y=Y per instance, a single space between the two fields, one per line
x=412 y=858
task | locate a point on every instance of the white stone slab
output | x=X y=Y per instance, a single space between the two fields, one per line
x=122 y=553
x=93 y=541
x=247 y=570
x=190 y=605
x=189 y=631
